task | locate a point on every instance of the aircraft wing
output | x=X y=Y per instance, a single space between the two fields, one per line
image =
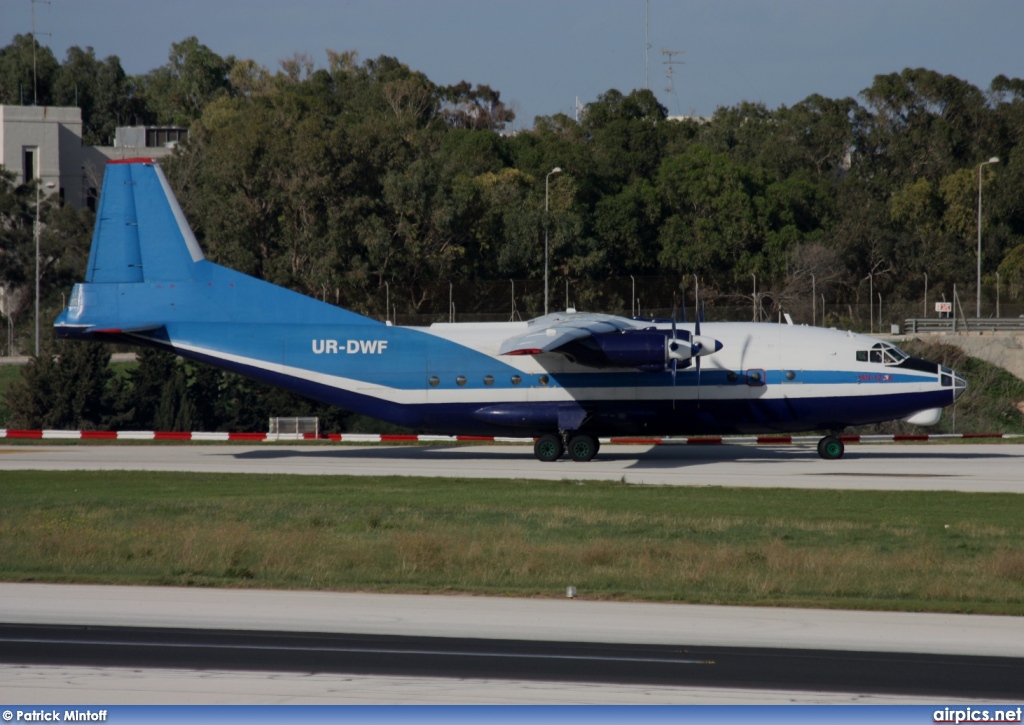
x=552 y=331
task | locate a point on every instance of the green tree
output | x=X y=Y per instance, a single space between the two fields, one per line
x=923 y=124
x=193 y=76
x=68 y=387
x=108 y=98
x=18 y=84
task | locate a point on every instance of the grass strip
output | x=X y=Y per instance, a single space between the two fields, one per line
x=898 y=550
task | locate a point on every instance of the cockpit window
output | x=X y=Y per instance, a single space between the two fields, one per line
x=882 y=352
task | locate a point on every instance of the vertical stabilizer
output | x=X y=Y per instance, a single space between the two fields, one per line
x=159 y=248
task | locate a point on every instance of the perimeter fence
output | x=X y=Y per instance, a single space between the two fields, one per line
x=665 y=297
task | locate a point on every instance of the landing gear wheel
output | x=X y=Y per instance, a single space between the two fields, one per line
x=548 y=448
x=831 y=448
x=582 y=448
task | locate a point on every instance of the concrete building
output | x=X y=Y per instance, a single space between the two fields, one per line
x=45 y=143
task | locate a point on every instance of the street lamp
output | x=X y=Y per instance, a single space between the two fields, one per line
x=993 y=160
x=38 y=188
x=547 y=179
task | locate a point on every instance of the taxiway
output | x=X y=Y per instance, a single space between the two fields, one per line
x=990 y=468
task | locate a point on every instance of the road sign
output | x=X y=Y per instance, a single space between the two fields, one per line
x=943 y=306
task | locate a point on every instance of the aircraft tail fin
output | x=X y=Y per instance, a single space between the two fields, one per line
x=141 y=234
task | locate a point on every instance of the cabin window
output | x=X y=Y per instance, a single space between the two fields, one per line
x=460 y=381
x=732 y=376
x=516 y=380
x=862 y=356
x=488 y=380
x=434 y=381
x=790 y=375
x=876 y=356
x=755 y=377
x=947 y=381
x=544 y=380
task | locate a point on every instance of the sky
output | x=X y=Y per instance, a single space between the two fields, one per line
x=544 y=54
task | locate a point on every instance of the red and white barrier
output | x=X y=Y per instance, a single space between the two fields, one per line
x=762 y=440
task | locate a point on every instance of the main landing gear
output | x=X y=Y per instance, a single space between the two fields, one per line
x=580 y=446
x=831 y=448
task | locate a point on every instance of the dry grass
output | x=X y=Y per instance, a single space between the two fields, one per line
x=891 y=550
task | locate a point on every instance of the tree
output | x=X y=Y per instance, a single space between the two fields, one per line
x=193 y=76
x=477 y=108
x=66 y=388
x=19 y=85
x=713 y=223
x=108 y=98
x=923 y=124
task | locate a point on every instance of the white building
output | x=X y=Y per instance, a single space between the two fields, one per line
x=45 y=143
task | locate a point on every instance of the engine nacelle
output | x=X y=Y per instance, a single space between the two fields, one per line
x=647 y=350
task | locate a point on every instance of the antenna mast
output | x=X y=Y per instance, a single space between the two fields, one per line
x=647 y=44
x=35 y=80
x=671 y=88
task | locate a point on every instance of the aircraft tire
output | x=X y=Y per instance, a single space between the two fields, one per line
x=582 y=448
x=831 y=448
x=548 y=448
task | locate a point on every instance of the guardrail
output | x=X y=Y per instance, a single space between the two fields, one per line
x=915 y=325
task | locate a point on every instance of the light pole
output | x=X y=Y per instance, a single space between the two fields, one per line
x=814 y=300
x=757 y=315
x=38 y=189
x=871 y=302
x=993 y=160
x=925 y=312
x=547 y=179
x=696 y=298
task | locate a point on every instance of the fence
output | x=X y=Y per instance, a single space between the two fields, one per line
x=297 y=428
x=662 y=296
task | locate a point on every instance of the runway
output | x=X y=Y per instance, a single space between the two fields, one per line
x=991 y=468
x=56 y=635
x=651 y=665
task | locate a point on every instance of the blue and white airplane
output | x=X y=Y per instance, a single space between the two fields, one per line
x=564 y=379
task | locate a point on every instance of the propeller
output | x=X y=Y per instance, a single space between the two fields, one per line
x=689 y=347
x=699 y=344
x=673 y=346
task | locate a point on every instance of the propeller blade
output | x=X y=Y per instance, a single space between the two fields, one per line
x=698 y=350
x=698 y=380
x=673 y=384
